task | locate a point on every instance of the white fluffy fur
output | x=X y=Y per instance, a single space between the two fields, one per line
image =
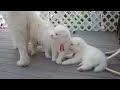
x=27 y=26
x=61 y=35
x=88 y=56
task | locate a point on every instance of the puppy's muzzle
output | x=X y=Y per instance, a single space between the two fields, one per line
x=51 y=35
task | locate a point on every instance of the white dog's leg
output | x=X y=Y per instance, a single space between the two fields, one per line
x=61 y=56
x=47 y=52
x=32 y=48
x=24 y=58
x=14 y=43
x=54 y=53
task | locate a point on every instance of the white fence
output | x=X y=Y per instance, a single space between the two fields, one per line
x=84 y=20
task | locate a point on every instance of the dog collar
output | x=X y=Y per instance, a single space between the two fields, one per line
x=61 y=47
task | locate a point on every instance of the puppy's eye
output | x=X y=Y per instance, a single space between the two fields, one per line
x=56 y=34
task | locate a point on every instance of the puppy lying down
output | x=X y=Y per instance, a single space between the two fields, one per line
x=88 y=56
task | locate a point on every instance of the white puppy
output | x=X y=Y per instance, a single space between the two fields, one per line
x=89 y=57
x=26 y=26
x=60 y=43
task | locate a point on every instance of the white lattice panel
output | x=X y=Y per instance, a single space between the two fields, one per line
x=84 y=20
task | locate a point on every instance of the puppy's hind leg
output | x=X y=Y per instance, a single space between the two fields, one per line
x=100 y=67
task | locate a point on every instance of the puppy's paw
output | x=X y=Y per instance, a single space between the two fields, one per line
x=59 y=62
x=84 y=68
x=65 y=62
x=80 y=69
x=80 y=64
x=23 y=62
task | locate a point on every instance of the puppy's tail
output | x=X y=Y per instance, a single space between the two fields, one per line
x=113 y=55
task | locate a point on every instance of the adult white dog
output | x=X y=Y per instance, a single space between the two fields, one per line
x=88 y=56
x=26 y=26
x=61 y=41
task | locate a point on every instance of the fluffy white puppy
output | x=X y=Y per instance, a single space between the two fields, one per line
x=60 y=43
x=88 y=56
x=26 y=26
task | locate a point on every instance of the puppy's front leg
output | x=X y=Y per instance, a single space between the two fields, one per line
x=76 y=59
x=24 y=58
x=61 y=56
x=69 y=56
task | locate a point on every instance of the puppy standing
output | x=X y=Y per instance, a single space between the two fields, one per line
x=90 y=57
x=60 y=43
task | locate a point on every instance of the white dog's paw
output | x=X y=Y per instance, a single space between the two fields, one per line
x=32 y=53
x=53 y=59
x=59 y=62
x=47 y=56
x=23 y=63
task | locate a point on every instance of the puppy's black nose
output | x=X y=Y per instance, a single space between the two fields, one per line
x=51 y=35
